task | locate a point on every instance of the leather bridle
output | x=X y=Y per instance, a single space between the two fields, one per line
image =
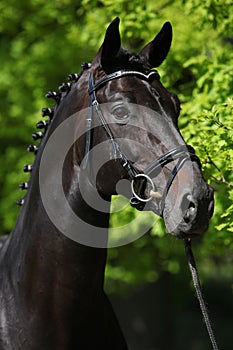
x=139 y=181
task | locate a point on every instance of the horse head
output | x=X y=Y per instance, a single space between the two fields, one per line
x=137 y=117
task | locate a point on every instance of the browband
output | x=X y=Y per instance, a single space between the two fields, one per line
x=123 y=73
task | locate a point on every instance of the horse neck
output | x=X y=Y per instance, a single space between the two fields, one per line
x=37 y=248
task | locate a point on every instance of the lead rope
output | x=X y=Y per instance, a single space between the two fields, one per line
x=197 y=285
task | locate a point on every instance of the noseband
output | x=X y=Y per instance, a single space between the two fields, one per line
x=139 y=181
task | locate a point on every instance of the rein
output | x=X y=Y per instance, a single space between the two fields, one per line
x=139 y=181
x=197 y=286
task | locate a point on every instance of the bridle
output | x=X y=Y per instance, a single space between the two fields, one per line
x=139 y=181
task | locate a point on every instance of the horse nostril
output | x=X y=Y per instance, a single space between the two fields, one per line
x=188 y=207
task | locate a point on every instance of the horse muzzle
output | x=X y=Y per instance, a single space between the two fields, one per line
x=190 y=216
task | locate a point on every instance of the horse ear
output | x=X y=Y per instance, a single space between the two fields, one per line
x=112 y=43
x=156 y=51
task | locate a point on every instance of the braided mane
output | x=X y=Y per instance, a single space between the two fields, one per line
x=44 y=125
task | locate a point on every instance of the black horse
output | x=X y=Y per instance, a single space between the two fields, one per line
x=52 y=264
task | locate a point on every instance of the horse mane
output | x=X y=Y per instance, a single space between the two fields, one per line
x=44 y=125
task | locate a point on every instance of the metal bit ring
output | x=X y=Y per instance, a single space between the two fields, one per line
x=134 y=192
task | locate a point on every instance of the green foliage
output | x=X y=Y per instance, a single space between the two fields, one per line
x=43 y=41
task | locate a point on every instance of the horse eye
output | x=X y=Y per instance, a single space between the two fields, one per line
x=121 y=113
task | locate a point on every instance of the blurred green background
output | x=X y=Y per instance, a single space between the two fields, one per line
x=41 y=42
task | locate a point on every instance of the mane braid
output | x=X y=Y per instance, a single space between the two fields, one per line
x=44 y=125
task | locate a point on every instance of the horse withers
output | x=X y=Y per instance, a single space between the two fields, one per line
x=113 y=122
